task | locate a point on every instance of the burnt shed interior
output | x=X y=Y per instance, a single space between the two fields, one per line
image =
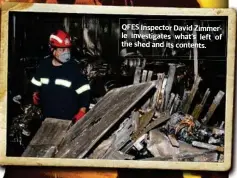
x=28 y=44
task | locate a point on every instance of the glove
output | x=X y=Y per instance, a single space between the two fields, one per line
x=78 y=116
x=36 y=98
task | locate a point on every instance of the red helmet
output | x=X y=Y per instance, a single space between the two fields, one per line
x=60 y=39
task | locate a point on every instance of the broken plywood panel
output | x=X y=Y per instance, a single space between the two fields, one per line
x=47 y=138
x=104 y=115
x=40 y=151
x=163 y=117
x=159 y=144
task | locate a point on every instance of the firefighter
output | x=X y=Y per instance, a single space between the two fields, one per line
x=60 y=89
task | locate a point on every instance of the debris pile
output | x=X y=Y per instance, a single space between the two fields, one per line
x=162 y=129
x=143 y=121
x=21 y=125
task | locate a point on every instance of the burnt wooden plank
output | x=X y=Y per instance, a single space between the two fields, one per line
x=117 y=140
x=199 y=107
x=184 y=99
x=143 y=122
x=162 y=95
x=194 y=89
x=135 y=113
x=47 y=138
x=175 y=104
x=97 y=122
x=137 y=75
x=170 y=80
x=163 y=117
x=149 y=77
x=172 y=97
x=41 y=151
x=144 y=76
x=156 y=97
x=135 y=118
x=173 y=141
x=103 y=148
x=213 y=107
x=146 y=118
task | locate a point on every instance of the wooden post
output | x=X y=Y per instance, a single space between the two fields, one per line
x=137 y=75
x=195 y=54
x=187 y=105
x=175 y=104
x=66 y=22
x=169 y=84
x=213 y=107
x=170 y=102
x=199 y=107
x=144 y=76
x=156 y=97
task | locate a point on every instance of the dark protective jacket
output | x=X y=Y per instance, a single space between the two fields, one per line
x=63 y=89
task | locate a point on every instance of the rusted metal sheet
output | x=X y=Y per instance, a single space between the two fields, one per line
x=97 y=122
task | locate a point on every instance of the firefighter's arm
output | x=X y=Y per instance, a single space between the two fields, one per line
x=36 y=84
x=84 y=101
x=80 y=114
x=83 y=91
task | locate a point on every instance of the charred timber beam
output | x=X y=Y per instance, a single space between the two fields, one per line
x=162 y=96
x=170 y=80
x=172 y=97
x=199 y=107
x=187 y=105
x=163 y=118
x=213 y=107
x=155 y=101
x=184 y=100
x=175 y=106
